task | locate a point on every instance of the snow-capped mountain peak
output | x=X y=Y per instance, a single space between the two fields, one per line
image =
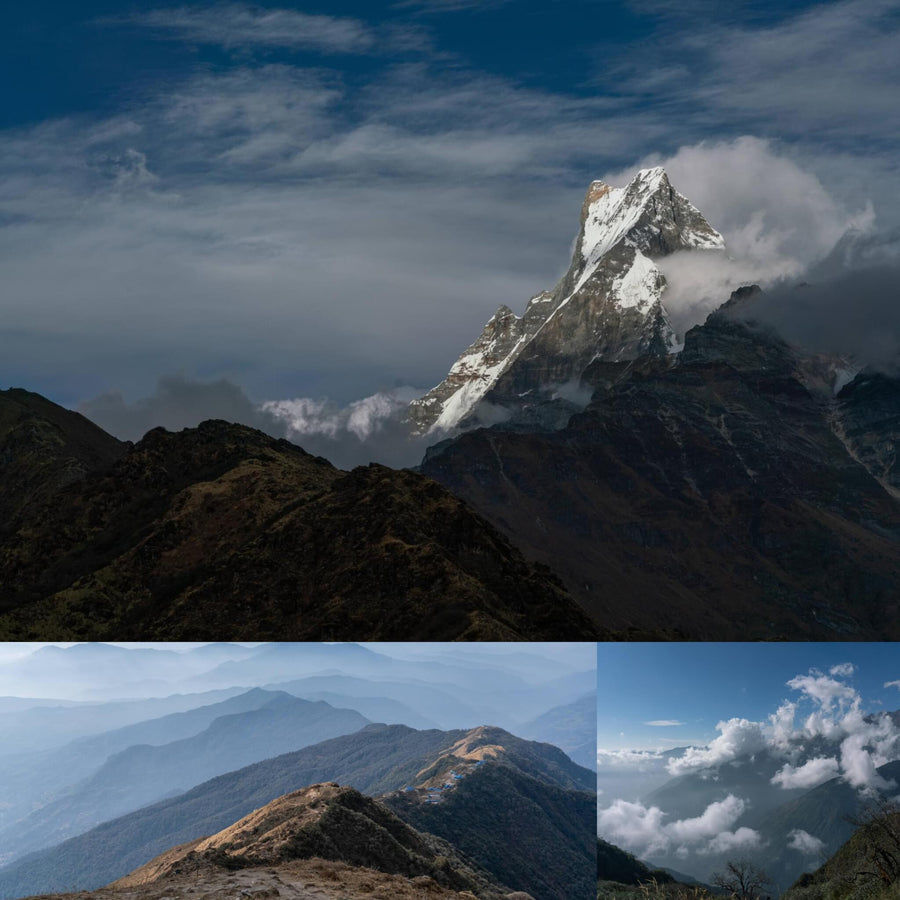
x=608 y=305
x=649 y=214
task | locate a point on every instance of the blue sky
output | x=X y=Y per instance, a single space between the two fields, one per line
x=700 y=685
x=309 y=200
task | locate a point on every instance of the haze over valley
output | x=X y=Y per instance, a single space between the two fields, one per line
x=764 y=767
x=115 y=754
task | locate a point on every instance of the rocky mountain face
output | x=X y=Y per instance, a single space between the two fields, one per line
x=221 y=531
x=297 y=879
x=608 y=306
x=323 y=842
x=723 y=493
x=379 y=759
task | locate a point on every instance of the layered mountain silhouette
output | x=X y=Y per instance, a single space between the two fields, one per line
x=144 y=773
x=49 y=773
x=506 y=787
x=567 y=727
x=222 y=531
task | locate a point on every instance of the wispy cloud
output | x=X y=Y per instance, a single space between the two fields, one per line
x=827 y=71
x=440 y=6
x=238 y=25
x=663 y=723
x=274 y=224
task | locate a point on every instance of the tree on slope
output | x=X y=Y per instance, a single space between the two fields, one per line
x=743 y=880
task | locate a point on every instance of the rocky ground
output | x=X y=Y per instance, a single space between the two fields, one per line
x=311 y=879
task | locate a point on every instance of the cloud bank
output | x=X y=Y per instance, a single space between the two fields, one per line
x=777 y=219
x=830 y=708
x=643 y=831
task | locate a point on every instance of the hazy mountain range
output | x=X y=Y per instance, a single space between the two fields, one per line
x=93 y=789
x=521 y=789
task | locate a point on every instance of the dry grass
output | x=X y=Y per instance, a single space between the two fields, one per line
x=310 y=879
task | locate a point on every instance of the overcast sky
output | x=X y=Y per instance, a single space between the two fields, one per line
x=327 y=200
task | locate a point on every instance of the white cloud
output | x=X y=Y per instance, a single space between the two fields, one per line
x=642 y=830
x=843 y=670
x=805 y=842
x=781 y=725
x=813 y=772
x=716 y=818
x=867 y=741
x=737 y=737
x=730 y=841
x=305 y=416
x=829 y=693
x=859 y=761
x=633 y=827
x=239 y=25
x=895 y=684
x=776 y=219
x=663 y=723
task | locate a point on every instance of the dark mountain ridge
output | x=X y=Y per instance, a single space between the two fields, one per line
x=169 y=539
x=43 y=448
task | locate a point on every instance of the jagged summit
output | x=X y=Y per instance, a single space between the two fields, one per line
x=648 y=214
x=607 y=306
